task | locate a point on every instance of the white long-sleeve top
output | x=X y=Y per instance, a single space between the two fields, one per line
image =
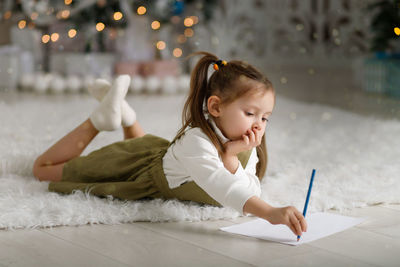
x=194 y=157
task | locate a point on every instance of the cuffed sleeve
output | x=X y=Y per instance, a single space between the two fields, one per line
x=200 y=160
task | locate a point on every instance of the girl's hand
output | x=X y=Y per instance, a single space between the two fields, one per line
x=251 y=139
x=289 y=216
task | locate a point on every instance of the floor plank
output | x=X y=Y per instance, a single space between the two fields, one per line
x=207 y=235
x=380 y=219
x=362 y=245
x=138 y=246
x=35 y=248
x=374 y=242
x=318 y=258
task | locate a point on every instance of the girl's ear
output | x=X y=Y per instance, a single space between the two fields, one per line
x=214 y=106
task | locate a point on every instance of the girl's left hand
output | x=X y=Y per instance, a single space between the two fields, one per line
x=251 y=139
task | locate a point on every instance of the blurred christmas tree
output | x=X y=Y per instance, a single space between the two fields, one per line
x=384 y=20
x=109 y=13
x=101 y=13
x=104 y=25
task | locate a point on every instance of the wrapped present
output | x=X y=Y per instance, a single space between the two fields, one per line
x=131 y=68
x=160 y=68
x=82 y=64
x=382 y=75
x=374 y=75
x=8 y=71
x=14 y=62
x=393 y=78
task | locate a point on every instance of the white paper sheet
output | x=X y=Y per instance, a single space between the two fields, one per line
x=319 y=225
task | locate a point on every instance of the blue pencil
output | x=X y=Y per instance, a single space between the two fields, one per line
x=308 y=197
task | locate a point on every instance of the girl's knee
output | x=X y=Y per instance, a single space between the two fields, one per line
x=39 y=169
x=36 y=170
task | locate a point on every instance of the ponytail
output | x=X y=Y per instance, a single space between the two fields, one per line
x=193 y=110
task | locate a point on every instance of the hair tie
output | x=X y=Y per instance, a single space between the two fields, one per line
x=219 y=63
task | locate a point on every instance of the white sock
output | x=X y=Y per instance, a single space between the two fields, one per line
x=100 y=88
x=107 y=115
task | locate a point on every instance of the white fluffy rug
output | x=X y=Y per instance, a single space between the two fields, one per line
x=356 y=158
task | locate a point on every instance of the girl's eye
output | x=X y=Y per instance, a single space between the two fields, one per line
x=249 y=114
x=265 y=119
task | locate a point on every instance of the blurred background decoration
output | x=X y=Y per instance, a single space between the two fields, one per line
x=341 y=52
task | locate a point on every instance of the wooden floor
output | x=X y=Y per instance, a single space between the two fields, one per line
x=376 y=242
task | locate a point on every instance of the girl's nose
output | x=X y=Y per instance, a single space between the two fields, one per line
x=256 y=126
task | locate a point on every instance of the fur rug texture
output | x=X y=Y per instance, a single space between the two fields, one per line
x=356 y=160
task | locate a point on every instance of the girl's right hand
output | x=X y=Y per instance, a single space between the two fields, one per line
x=289 y=216
x=251 y=139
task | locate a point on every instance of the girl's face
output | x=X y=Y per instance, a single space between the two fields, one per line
x=248 y=112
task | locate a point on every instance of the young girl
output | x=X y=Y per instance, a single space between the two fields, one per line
x=218 y=156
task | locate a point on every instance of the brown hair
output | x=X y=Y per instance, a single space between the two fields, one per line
x=224 y=83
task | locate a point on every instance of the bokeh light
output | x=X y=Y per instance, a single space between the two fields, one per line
x=117 y=15
x=175 y=19
x=195 y=19
x=188 y=22
x=71 y=33
x=177 y=52
x=189 y=32
x=54 y=37
x=7 y=15
x=181 y=38
x=65 y=14
x=155 y=25
x=100 y=26
x=34 y=15
x=21 y=24
x=161 y=45
x=45 y=38
x=141 y=10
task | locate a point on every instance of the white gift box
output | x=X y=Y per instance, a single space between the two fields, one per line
x=94 y=64
x=8 y=71
x=13 y=64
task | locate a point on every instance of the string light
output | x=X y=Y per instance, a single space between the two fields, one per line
x=188 y=22
x=100 y=26
x=177 y=52
x=118 y=15
x=67 y=2
x=71 y=33
x=54 y=37
x=21 y=24
x=188 y=32
x=397 y=31
x=141 y=10
x=45 y=38
x=161 y=45
x=155 y=25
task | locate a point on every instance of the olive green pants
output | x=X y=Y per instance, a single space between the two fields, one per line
x=131 y=169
